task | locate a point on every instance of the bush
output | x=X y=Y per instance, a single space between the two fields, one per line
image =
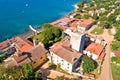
x=88 y=64
x=116 y=59
x=117 y=35
x=115 y=45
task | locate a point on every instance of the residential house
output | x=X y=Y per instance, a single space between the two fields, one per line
x=62 y=53
x=15 y=45
x=97 y=12
x=95 y=51
x=62 y=23
x=82 y=24
x=36 y=55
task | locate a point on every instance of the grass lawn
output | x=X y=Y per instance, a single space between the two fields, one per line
x=115 y=71
x=97 y=30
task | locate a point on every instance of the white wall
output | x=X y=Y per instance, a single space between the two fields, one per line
x=77 y=41
x=92 y=55
x=64 y=64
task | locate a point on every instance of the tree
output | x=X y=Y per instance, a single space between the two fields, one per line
x=29 y=73
x=115 y=45
x=117 y=35
x=9 y=73
x=88 y=64
x=46 y=26
x=56 y=31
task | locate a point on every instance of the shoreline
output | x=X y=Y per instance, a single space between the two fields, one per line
x=29 y=33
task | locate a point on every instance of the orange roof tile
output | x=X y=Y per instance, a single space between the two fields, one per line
x=95 y=48
x=63 y=50
x=4 y=44
x=22 y=44
x=73 y=25
x=64 y=19
x=20 y=59
x=86 y=22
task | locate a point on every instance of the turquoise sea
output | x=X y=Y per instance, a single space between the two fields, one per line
x=16 y=15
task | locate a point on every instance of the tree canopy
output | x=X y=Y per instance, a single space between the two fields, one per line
x=117 y=35
x=88 y=64
x=49 y=35
x=29 y=73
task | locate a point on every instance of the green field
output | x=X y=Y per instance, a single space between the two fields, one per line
x=115 y=71
x=97 y=30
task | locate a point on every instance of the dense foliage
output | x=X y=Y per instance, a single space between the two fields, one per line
x=116 y=59
x=117 y=35
x=115 y=45
x=29 y=73
x=49 y=35
x=88 y=64
x=9 y=73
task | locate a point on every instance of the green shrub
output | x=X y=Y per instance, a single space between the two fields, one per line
x=116 y=59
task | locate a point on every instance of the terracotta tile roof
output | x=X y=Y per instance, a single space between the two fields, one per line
x=86 y=22
x=73 y=25
x=95 y=48
x=64 y=19
x=21 y=44
x=117 y=53
x=4 y=44
x=20 y=59
x=36 y=52
x=65 y=52
x=30 y=55
x=82 y=22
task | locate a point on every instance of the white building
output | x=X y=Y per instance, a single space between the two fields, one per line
x=77 y=41
x=62 y=54
x=95 y=51
x=85 y=24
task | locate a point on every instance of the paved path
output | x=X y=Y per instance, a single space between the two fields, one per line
x=106 y=67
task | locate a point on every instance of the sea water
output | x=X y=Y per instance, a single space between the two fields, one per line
x=17 y=15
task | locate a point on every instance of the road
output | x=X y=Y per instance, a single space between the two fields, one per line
x=106 y=67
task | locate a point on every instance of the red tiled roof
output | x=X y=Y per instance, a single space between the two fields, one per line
x=31 y=54
x=36 y=52
x=64 y=19
x=4 y=44
x=117 y=53
x=20 y=59
x=63 y=50
x=85 y=22
x=82 y=22
x=95 y=48
x=22 y=44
